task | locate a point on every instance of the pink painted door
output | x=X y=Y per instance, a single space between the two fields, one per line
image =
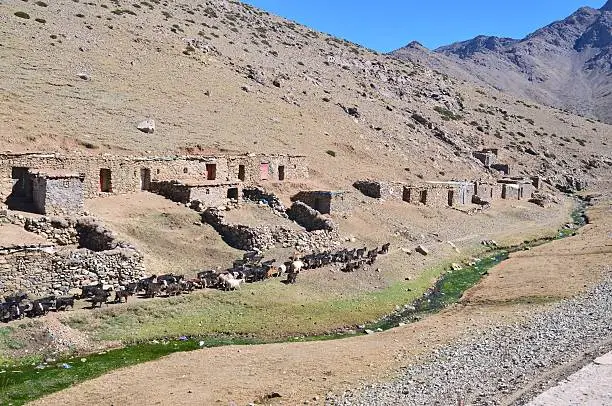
x=264 y=169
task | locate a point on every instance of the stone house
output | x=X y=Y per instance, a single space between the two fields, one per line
x=380 y=189
x=516 y=188
x=322 y=201
x=439 y=194
x=488 y=157
x=487 y=191
x=211 y=194
x=107 y=174
x=57 y=192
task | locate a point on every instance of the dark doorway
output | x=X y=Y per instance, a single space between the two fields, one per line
x=21 y=193
x=423 y=196
x=281 y=172
x=241 y=173
x=211 y=171
x=232 y=193
x=406 y=195
x=106 y=185
x=145 y=179
x=451 y=195
x=317 y=205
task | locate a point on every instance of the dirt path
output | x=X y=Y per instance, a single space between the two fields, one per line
x=306 y=371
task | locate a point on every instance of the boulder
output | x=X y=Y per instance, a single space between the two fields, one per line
x=147 y=126
x=422 y=250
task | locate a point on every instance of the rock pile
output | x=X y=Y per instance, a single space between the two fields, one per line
x=57 y=230
x=264 y=237
x=309 y=218
x=259 y=195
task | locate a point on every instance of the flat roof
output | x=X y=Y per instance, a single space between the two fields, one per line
x=13 y=155
x=198 y=182
x=55 y=174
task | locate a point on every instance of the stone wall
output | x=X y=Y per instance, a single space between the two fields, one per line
x=85 y=232
x=58 y=195
x=437 y=196
x=258 y=168
x=172 y=190
x=43 y=270
x=81 y=250
x=309 y=218
x=510 y=192
x=237 y=235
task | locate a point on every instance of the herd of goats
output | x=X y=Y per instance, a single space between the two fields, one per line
x=251 y=268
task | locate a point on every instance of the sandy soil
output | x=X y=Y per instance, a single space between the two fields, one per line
x=11 y=234
x=170 y=235
x=306 y=371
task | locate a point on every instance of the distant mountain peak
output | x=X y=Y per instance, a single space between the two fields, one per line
x=536 y=66
x=418 y=45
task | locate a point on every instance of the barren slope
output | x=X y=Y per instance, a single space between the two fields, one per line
x=225 y=76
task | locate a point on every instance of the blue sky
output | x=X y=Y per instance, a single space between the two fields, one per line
x=386 y=25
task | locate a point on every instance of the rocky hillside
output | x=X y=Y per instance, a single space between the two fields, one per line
x=220 y=75
x=567 y=64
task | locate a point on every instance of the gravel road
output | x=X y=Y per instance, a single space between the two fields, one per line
x=505 y=365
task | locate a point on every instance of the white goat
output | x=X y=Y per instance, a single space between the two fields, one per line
x=296 y=266
x=231 y=284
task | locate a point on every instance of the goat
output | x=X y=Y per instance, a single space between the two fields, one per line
x=122 y=294
x=143 y=284
x=384 y=249
x=39 y=308
x=174 y=289
x=231 y=284
x=62 y=303
x=99 y=298
x=296 y=266
x=91 y=290
x=16 y=298
x=170 y=278
x=153 y=289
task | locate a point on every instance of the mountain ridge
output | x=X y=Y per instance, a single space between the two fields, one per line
x=565 y=64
